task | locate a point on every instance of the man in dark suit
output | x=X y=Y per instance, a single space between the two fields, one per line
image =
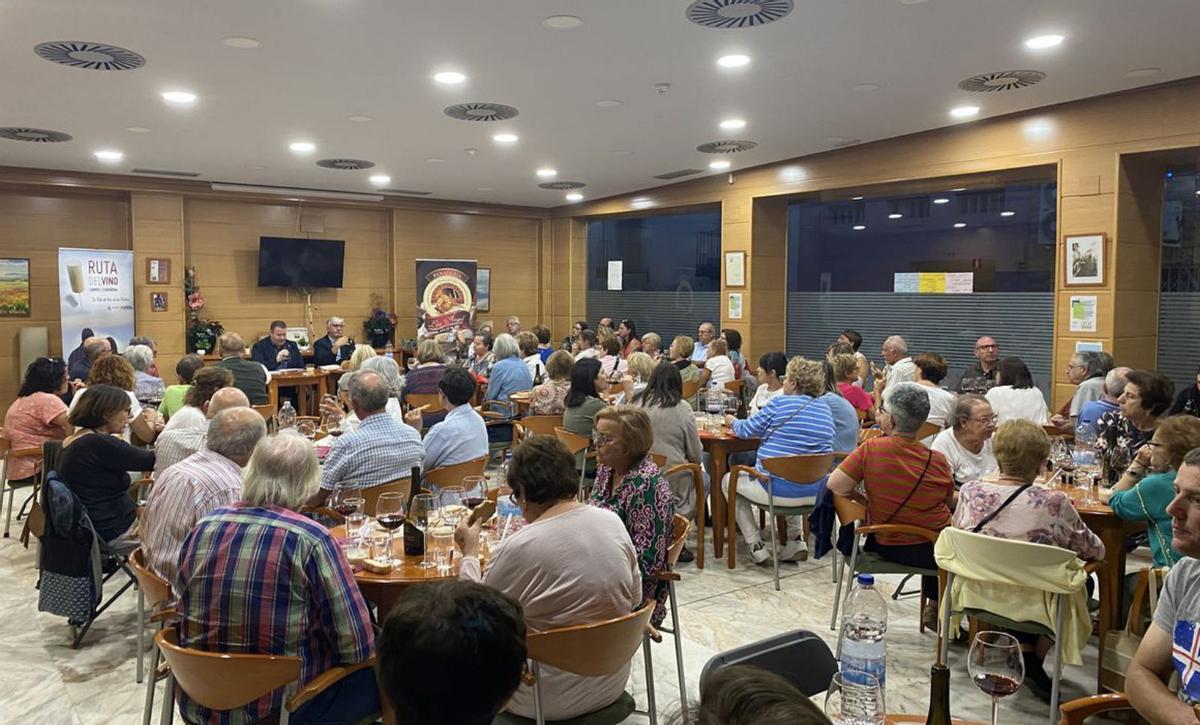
x=275 y=351
x=334 y=347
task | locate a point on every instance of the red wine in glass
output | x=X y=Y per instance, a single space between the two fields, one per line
x=391 y=522
x=345 y=509
x=996 y=685
x=472 y=501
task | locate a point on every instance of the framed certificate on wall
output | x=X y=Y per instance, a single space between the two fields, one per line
x=735 y=269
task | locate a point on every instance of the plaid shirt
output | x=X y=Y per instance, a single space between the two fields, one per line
x=380 y=451
x=267 y=580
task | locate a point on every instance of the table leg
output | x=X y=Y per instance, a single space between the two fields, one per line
x=719 y=457
x=1112 y=579
x=302 y=400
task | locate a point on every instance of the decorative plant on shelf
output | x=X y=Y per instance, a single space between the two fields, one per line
x=380 y=325
x=202 y=334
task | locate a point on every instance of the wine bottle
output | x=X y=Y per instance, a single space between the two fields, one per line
x=414 y=537
x=939 y=695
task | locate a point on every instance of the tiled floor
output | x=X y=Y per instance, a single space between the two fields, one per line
x=42 y=680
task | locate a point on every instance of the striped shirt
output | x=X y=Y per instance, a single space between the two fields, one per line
x=790 y=425
x=889 y=467
x=182 y=495
x=175 y=445
x=267 y=580
x=380 y=451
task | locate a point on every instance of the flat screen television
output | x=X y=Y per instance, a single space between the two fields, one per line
x=287 y=262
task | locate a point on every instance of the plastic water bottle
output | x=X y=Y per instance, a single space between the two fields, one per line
x=389 y=349
x=504 y=506
x=863 y=630
x=286 y=417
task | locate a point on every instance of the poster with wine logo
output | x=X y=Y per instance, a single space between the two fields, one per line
x=95 y=290
x=446 y=294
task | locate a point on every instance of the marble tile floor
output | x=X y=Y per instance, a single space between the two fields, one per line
x=42 y=680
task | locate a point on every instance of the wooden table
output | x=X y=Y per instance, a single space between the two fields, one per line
x=521 y=401
x=898 y=719
x=383 y=590
x=719 y=447
x=302 y=380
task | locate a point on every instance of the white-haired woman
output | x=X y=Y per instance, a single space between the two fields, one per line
x=147 y=387
x=508 y=375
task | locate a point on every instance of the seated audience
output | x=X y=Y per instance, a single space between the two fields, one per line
x=681 y=354
x=173 y=395
x=482 y=359
x=509 y=375
x=627 y=333
x=147 y=387
x=77 y=359
x=291 y=593
x=204 y=481
x=276 y=351
x=795 y=423
x=205 y=383
x=548 y=398
x=705 y=334
x=149 y=342
x=1161 y=653
x=513 y=325
x=967 y=443
x=543 y=335
x=176 y=444
x=1119 y=436
x=1013 y=508
x=95 y=463
x=605 y=326
x=1014 y=396
x=115 y=370
x=612 y=365
x=583 y=397
x=1188 y=400
x=748 y=695
x=531 y=355
x=772 y=367
x=424 y=378
x=380 y=451
x=903 y=483
x=674 y=434
x=571 y=564
x=571 y=343
x=360 y=355
x=1147 y=487
x=845 y=420
x=981 y=376
x=899 y=367
x=846 y=369
x=248 y=376
x=1086 y=425
x=718 y=368
x=637 y=374
x=459 y=631
x=651 y=344
x=854 y=340
x=94 y=349
x=1086 y=371
x=462 y=435
x=333 y=347
x=36 y=416
x=733 y=340
x=586 y=343
x=388 y=369
x=931 y=370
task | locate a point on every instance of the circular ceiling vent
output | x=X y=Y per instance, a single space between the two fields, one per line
x=36 y=135
x=562 y=185
x=725 y=147
x=481 y=112
x=1004 y=80
x=345 y=164
x=91 y=56
x=724 y=14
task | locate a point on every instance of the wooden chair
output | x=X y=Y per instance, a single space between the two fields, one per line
x=371 y=495
x=493 y=418
x=799 y=468
x=541 y=425
x=8 y=454
x=735 y=387
x=576 y=443
x=1077 y=711
x=928 y=429
x=225 y=681
x=698 y=482
x=690 y=388
x=416 y=400
x=681 y=527
x=852 y=512
x=266 y=410
x=593 y=650
x=454 y=475
x=153 y=592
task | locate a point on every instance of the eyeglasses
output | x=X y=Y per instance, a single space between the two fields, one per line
x=1072 y=366
x=600 y=439
x=987 y=347
x=986 y=418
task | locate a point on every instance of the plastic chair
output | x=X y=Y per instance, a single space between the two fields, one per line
x=799 y=468
x=8 y=454
x=1077 y=711
x=681 y=526
x=576 y=443
x=800 y=657
x=454 y=475
x=536 y=425
x=154 y=592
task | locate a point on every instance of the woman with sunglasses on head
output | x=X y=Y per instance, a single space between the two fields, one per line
x=37 y=415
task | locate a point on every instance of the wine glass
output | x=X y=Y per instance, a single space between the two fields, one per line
x=344 y=500
x=996 y=665
x=731 y=404
x=474 y=491
x=389 y=513
x=424 y=514
x=854 y=698
x=453 y=508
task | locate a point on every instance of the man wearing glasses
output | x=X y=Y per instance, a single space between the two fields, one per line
x=334 y=347
x=980 y=377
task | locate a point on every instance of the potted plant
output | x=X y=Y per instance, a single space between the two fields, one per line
x=201 y=334
x=380 y=325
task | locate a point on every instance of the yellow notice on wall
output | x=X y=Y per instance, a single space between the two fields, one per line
x=932 y=283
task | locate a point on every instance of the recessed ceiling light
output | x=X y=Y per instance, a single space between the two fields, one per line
x=137 y=129
x=608 y=103
x=961 y=188
x=1143 y=72
x=895 y=215
x=1198 y=191
x=964 y=111
x=941 y=200
x=109 y=155
x=359 y=119
x=547 y=173
x=434 y=160
x=574 y=196
x=858 y=227
x=562 y=22
x=449 y=77
x=719 y=165
x=505 y=138
x=1007 y=213
x=240 y=41
x=866 y=87
x=733 y=124
x=180 y=97
x=381 y=179
x=302 y=147
x=959 y=225
x=733 y=61
x=1043 y=41
x=856 y=198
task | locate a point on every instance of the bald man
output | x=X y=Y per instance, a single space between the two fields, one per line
x=94 y=348
x=177 y=444
x=981 y=376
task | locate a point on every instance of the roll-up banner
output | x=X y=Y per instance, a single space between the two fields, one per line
x=95 y=290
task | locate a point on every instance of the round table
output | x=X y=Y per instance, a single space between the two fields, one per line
x=382 y=590
x=903 y=719
x=719 y=446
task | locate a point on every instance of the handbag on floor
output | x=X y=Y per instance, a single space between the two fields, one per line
x=1120 y=645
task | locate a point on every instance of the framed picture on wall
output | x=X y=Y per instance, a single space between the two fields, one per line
x=158 y=271
x=483 y=289
x=735 y=269
x=1084 y=261
x=158 y=301
x=14 y=288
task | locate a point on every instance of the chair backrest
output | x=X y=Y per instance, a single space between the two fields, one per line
x=734 y=386
x=983 y=558
x=862 y=414
x=800 y=468
x=454 y=475
x=573 y=441
x=928 y=429
x=542 y=425
x=416 y=400
x=266 y=410
x=154 y=588
x=800 y=657
x=679 y=533
x=690 y=388
x=591 y=650
x=849 y=510
x=224 y=681
x=867 y=434
x=659 y=460
x=371 y=495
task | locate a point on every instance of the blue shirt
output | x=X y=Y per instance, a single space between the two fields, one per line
x=1091 y=411
x=382 y=450
x=790 y=425
x=699 y=353
x=545 y=352
x=845 y=422
x=508 y=376
x=460 y=437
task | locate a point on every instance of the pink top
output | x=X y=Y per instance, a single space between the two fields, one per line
x=29 y=422
x=856 y=395
x=1038 y=515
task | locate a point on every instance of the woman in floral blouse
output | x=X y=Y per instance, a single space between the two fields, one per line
x=1121 y=434
x=549 y=398
x=630 y=484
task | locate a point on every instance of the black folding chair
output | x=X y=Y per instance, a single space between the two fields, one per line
x=800 y=657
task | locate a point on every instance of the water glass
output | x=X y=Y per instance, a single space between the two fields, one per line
x=443 y=548
x=854 y=698
x=355 y=525
x=453 y=506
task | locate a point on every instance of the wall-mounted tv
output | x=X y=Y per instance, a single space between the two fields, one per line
x=287 y=262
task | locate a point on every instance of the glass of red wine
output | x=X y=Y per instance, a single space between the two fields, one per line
x=996 y=666
x=389 y=513
x=474 y=491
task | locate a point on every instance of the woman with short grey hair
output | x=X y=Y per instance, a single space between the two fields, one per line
x=148 y=388
x=508 y=375
x=967 y=443
x=505 y=345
